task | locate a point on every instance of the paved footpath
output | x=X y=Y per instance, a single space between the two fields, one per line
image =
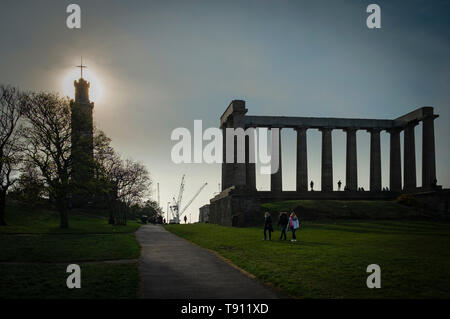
x=173 y=268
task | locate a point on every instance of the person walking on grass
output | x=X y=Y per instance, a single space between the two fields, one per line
x=268 y=225
x=293 y=225
x=283 y=222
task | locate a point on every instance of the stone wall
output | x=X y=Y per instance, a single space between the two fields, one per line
x=234 y=208
x=203 y=216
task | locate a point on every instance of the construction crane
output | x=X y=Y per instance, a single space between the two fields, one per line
x=193 y=198
x=175 y=207
x=180 y=192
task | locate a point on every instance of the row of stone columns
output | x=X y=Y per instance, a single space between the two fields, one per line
x=351 y=175
x=395 y=184
x=245 y=174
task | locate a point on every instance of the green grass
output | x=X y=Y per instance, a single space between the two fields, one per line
x=26 y=221
x=67 y=247
x=34 y=254
x=49 y=281
x=329 y=260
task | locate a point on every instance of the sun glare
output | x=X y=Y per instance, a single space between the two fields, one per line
x=95 y=90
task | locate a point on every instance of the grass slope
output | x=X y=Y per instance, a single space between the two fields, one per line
x=343 y=209
x=34 y=254
x=329 y=260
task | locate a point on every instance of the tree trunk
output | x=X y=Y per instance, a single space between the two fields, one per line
x=111 y=202
x=112 y=212
x=125 y=215
x=119 y=211
x=2 y=208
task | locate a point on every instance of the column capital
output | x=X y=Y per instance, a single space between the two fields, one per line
x=394 y=130
x=430 y=117
x=374 y=130
x=412 y=124
x=351 y=129
x=326 y=129
x=301 y=128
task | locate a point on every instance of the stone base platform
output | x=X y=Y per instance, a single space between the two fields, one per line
x=240 y=206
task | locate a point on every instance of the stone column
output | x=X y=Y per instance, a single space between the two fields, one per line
x=276 y=182
x=428 y=152
x=224 y=156
x=409 y=157
x=250 y=160
x=229 y=167
x=238 y=118
x=302 y=160
x=351 y=164
x=327 y=160
x=375 y=160
x=395 y=165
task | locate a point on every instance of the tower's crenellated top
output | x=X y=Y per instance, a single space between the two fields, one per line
x=81 y=91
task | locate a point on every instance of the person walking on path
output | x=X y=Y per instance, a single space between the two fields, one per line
x=293 y=225
x=283 y=222
x=339 y=185
x=268 y=225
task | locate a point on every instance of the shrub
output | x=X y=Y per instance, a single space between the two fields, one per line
x=407 y=200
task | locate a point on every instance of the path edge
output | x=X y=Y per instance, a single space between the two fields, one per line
x=278 y=291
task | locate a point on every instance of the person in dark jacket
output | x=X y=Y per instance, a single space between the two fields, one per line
x=283 y=222
x=268 y=225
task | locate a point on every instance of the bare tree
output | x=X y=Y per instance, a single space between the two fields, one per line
x=125 y=183
x=47 y=146
x=12 y=104
x=30 y=186
x=106 y=163
x=134 y=183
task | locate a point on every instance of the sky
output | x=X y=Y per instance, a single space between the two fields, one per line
x=158 y=65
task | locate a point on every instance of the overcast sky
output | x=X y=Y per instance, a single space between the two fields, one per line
x=163 y=64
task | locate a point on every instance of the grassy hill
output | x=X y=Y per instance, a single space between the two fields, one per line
x=34 y=254
x=330 y=258
x=348 y=209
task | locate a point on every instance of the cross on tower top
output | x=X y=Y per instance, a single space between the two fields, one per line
x=81 y=66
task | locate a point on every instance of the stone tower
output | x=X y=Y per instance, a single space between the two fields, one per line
x=82 y=142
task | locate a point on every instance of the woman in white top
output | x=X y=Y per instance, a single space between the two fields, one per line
x=293 y=225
